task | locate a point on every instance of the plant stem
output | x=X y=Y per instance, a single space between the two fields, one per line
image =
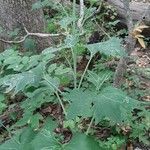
x=56 y=92
x=69 y=63
x=74 y=16
x=51 y=84
x=74 y=57
x=89 y=127
x=82 y=77
x=61 y=103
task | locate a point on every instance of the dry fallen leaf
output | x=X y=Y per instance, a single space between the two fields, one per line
x=141 y=41
x=137 y=34
x=140 y=28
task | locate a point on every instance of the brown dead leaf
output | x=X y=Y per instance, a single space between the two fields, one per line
x=137 y=34
x=140 y=28
x=141 y=41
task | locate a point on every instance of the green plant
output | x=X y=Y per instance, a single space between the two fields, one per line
x=39 y=78
x=140 y=126
x=112 y=143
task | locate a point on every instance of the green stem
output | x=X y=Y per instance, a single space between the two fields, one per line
x=89 y=127
x=69 y=63
x=74 y=67
x=61 y=103
x=56 y=92
x=74 y=16
x=86 y=68
x=51 y=84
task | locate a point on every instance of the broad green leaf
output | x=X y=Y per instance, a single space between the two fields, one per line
x=27 y=136
x=81 y=141
x=47 y=58
x=98 y=79
x=12 y=60
x=37 y=98
x=60 y=70
x=112 y=47
x=18 y=82
x=50 y=124
x=7 y=53
x=12 y=144
x=113 y=104
x=34 y=120
x=24 y=120
x=51 y=68
x=45 y=138
x=15 y=67
x=33 y=62
x=20 y=141
x=25 y=59
x=81 y=103
x=28 y=139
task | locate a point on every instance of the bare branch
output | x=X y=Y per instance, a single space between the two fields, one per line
x=42 y=35
x=15 y=42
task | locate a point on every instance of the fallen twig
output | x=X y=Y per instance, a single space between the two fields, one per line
x=42 y=35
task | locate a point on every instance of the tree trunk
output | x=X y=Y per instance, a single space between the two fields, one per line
x=139 y=9
x=18 y=14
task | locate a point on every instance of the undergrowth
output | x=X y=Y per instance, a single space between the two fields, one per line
x=87 y=100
